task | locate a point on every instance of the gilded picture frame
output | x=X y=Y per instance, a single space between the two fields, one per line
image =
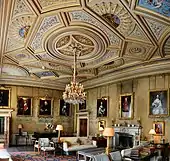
x=5 y=97
x=126 y=106
x=159 y=127
x=24 y=106
x=82 y=106
x=64 y=108
x=45 y=107
x=101 y=125
x=102 y=107
x=159 y=103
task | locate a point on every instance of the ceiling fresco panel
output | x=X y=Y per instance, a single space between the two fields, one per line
x=159 y=6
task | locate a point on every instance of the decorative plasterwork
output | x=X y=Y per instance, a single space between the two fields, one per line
x=137 y=50
x=47 y=5
x=21 y=8
x=156 y=27
x=110 y=66
x=12 y=70
x=137 y=33
x=166 y=49
x=21 y=56
x=81 y=16
x=83 y=38
x=46 y=24
x=109 y=56
x=126 y=25
x=14 y=40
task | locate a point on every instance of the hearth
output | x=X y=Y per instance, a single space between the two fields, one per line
x=123 y=140
x=130 y=136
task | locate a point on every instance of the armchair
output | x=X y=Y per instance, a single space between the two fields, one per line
x=45 y=145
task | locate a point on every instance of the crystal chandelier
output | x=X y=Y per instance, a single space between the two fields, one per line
x=74 y=92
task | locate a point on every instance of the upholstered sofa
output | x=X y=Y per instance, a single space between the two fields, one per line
x=71 y=144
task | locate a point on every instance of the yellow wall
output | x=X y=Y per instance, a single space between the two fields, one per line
x=140 y=88
x=34 y=123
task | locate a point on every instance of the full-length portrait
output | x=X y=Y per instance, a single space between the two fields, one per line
x=24 y=105
x=102 y=107
x=45 y=107
x=126 y=106
x=158 y=103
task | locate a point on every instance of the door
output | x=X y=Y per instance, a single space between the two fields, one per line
x=83 y=127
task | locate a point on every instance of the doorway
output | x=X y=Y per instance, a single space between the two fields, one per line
x=83 y=127
x=83 y=124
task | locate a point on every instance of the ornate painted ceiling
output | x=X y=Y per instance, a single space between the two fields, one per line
x=116 y=40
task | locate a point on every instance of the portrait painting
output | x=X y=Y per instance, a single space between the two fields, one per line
x=82 y=106
x=24 y=106
x=101 y=125
x=4 y=97
x=126 y=106
x=64 y=108
x=102 y=107
x=45 y=107
x=158 y=103
x=159 y=127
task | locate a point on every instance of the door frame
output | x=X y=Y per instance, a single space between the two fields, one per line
x=82 y=115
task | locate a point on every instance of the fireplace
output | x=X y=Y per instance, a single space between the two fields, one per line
x=123 y=140
x=5 y=114
x=126 y=137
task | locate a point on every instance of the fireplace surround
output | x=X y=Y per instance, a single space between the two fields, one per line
x=130 y=136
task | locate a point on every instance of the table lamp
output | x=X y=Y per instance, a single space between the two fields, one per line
x=152 y=133
x=59 y=128
x=108 y=132
x=20 y=127
x=101 y=131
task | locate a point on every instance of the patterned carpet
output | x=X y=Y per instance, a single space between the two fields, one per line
x=34 y=156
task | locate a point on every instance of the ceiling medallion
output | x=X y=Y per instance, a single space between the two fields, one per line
x=113 y=19
x=23 y=31
x=135 y=50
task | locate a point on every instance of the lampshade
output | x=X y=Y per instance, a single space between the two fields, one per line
x=59 y=127
x=152 y=132
x=20 y=126
x=101 y=128
x=108 y=132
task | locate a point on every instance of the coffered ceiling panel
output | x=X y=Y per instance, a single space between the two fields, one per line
x=112 y=38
